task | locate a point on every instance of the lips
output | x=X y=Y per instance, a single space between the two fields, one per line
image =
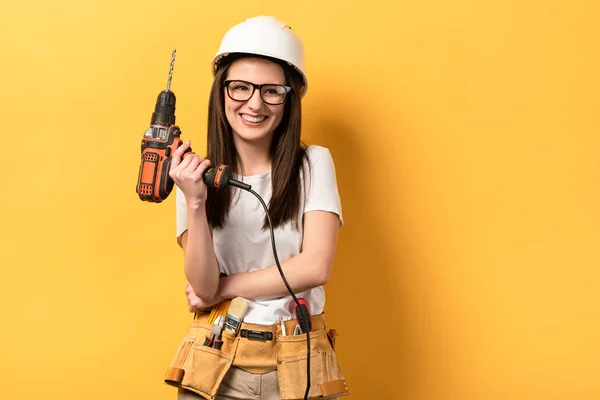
x=253 y=120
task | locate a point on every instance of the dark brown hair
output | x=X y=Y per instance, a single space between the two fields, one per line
x=288 y=153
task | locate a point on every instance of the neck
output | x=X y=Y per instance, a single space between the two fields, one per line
x=254 y=157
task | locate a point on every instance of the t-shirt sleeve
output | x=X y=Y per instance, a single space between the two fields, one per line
x=181 y=211
x=322 y=189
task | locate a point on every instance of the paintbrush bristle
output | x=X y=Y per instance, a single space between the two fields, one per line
x=238 y=307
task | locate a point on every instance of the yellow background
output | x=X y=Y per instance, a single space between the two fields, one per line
x=466 y=139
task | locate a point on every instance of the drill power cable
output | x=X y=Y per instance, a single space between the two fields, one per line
x=211 y=178
x=302 y=312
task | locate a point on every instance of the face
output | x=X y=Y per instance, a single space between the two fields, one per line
x=254 y=120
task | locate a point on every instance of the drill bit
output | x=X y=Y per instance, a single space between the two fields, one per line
x=171 y=70
x=164 y=110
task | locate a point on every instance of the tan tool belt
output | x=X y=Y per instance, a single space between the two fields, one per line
x=259 y=349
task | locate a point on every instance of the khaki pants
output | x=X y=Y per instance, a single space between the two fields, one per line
x=241 y=385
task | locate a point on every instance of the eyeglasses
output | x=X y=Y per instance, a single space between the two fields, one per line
x=269 y=93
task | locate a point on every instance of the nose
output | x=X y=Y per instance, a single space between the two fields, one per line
x=255 y=102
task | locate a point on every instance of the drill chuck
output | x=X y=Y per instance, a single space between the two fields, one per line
x=164 y=110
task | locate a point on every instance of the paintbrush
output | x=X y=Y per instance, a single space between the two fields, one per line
x=235 y=314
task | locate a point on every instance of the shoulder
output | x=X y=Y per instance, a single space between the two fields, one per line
x=317 y=153
x=319 y=164
x=322 y=190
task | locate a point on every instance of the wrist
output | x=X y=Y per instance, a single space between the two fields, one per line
x=224 y=288
x=195 y=206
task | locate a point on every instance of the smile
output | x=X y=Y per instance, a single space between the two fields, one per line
x=253 y=120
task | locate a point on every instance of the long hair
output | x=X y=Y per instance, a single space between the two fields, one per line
x=288 y=153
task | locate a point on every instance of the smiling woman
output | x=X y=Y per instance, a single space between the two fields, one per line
x=255 y=127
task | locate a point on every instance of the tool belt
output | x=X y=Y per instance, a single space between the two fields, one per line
x=259 y=349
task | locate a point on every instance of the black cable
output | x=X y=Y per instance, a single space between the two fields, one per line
x=221 y=177
x=300 y=307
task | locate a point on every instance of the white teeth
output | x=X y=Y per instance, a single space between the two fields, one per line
x=253 y=119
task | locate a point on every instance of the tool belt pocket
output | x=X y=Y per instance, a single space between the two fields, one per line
x=326 y=378
x=200 y=368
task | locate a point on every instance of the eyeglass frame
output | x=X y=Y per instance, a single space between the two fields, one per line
x=288 y=89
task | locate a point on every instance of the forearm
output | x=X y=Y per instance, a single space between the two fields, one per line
x=302 y=272
x=200 y=263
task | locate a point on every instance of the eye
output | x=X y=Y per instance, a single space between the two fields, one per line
x=241 y=87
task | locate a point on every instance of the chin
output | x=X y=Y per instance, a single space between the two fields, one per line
x=252 y=135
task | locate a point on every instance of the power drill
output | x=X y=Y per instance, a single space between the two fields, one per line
x=160 y=140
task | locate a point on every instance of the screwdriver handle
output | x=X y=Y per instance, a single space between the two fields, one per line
x=303 y=315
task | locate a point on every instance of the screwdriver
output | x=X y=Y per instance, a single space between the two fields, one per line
x=303 y=315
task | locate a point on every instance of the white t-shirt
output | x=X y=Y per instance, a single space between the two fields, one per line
x=241 y=245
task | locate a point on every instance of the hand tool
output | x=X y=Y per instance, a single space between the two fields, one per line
x=210 y=339
x=283 y=332
x=303 y=315
x=213 y=340
x=218 y=342
x=235 y=314
x=297 y=330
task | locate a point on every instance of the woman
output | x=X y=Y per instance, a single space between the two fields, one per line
x=254 y=126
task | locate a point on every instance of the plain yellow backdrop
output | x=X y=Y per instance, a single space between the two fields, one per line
x=466 y=139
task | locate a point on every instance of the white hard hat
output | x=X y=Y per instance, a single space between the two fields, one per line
x=266 y=36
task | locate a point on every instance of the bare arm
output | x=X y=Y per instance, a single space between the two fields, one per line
x=309 y=269
x=200 y=263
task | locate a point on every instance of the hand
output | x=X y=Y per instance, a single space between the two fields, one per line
x=195 y=303
x=187 y=174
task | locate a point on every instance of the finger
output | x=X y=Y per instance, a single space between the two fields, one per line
x=194 y=303
x=186 y=161
x=183 y=165
x=189 y=155
x=178 y=153
x=204 y=165
x=189 y=291
x=193 y=164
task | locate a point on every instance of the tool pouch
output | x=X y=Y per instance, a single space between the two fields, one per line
x=326 y=378
x=199 y=368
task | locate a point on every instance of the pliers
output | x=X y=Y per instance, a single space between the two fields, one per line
x=214 y=340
